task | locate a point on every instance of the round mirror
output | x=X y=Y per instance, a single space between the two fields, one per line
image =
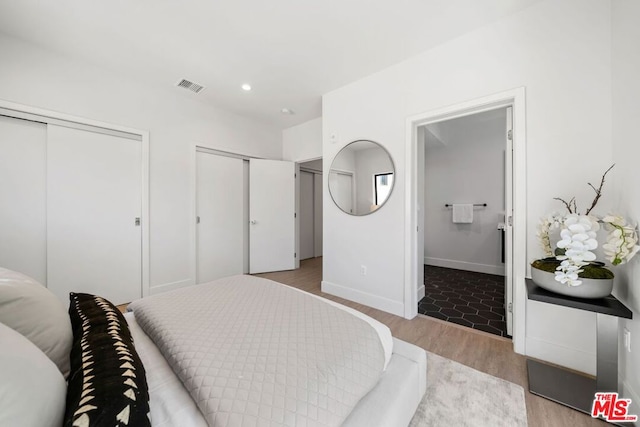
x=361 y=177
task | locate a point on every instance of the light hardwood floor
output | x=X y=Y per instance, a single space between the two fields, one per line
x=484 y=352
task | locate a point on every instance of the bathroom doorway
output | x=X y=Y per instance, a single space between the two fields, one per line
x=465 y=180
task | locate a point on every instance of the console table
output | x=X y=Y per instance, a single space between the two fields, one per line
x=569 y=388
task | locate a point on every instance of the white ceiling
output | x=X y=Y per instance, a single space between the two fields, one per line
x=290 y=51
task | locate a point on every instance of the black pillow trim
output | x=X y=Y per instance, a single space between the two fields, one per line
x=107 y=383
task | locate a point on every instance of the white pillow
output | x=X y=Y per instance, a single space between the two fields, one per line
x=32 y=310
x=32 y=391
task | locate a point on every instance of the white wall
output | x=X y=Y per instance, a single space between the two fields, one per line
x=303 y=142
x=626 y=152
x=176 y=121
x=466 y=167
x=559 y=51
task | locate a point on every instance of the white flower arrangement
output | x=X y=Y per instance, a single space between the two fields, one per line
x=622 y=243
x=578 y=238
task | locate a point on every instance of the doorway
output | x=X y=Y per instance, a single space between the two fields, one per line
x=310 y=209
x=465 y=200
x=515 y=229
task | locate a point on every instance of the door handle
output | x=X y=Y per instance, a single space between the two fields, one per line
x=137 y=221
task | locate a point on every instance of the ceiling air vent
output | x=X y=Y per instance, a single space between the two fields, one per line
x=186 y=84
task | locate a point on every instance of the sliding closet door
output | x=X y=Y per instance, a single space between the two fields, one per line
x=307 y=229
x=22 y=197
x=220 y=209
x=94 y=202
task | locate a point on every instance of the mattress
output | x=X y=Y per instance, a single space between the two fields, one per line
x=255 y=352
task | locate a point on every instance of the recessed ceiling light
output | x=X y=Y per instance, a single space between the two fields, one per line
x=246 y=87
x=287 y=111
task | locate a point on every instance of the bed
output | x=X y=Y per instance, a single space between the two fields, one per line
x=244 y=351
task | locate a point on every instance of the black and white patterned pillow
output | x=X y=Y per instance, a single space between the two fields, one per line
x=107 y=384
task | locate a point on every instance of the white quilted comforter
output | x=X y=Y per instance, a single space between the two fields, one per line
x=252 y=352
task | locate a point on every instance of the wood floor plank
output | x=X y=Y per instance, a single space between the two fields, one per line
x=484 y=352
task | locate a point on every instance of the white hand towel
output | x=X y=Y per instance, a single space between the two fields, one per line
x=462 y=213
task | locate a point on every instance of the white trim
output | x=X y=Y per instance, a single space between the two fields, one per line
x=421 y=292
x=68 y=124
x=224 y=153
x=170 y=286
x=375 y=301
x=463 y=265
x=305 y=160
x=516 y=99
x=144 y=139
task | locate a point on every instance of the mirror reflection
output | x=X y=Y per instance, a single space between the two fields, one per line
x=361 y=177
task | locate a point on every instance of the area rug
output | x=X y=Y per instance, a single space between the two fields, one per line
x=461 y=396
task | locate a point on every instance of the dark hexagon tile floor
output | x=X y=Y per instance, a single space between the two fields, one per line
x=467 y=298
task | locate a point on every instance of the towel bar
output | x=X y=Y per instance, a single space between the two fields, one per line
x=448 y=205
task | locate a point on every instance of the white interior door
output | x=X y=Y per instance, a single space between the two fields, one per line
x=341 y=185
x=508 y=230
x=307 y=213
x=94 y=201
x=23 y=245
x=220 y=212
x=245 y=216
x=272 y=211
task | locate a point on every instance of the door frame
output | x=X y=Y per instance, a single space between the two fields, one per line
x=516 y=99
x=82 y=123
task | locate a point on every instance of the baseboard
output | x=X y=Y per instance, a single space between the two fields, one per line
x=375 y=301
x=420 y=292
x=564 y=356
x=463 y=265
x=154 y=290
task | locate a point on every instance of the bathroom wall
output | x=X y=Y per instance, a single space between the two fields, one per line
x=464 y=163
x=369 y=162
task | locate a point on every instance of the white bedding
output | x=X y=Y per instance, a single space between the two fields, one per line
x=390 y=404
x=383 y=330
x=248 y=349
x=170 y=403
